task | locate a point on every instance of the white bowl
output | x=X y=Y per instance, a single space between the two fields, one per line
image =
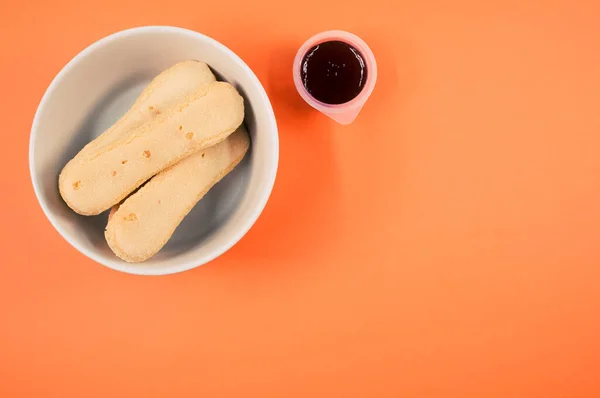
x=95 y=88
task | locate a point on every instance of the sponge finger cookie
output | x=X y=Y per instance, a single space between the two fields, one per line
x=170 y=87
x=144 y=222
x=103 y=176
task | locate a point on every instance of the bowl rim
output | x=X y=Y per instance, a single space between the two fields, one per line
x=118 y=264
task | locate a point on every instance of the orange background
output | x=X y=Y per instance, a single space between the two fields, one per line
x=446 y=244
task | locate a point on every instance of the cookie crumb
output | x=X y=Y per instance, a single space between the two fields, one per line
x=189 y=136
x=77 y=185
x=180 y=127
x=203 y=154
x=123 y=162
x=147 y=154
x=114 y=173
x=131 y=217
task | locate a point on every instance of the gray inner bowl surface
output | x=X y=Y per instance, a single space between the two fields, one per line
x=208 y=214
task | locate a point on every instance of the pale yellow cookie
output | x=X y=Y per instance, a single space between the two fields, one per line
x=103 y=176
x=140 y=226
x=170 y=87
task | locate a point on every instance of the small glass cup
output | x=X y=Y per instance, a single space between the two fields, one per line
x=342 y=113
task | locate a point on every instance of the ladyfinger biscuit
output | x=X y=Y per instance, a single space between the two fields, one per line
x=170 y=87
x=144 y=222
x=93 y=183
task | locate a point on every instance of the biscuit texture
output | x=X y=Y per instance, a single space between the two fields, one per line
x=140 y=226
x=170 y=87
x=105 y=173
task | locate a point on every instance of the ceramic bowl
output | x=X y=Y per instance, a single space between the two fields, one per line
x=97 y=87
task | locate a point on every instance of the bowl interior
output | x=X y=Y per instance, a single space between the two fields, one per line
x=96 y=88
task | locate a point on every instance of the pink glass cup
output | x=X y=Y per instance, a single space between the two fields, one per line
x=342 y=113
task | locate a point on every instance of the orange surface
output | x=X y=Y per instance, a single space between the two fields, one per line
x=444 y=245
